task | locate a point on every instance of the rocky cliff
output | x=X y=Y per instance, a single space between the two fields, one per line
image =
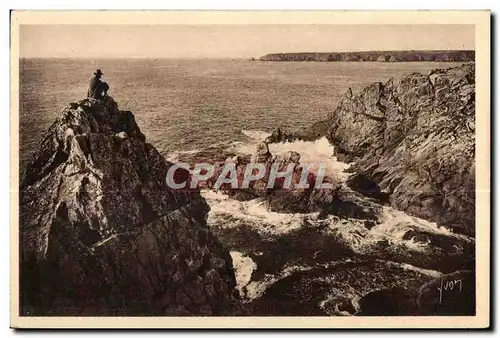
x=379 y=56
x=413 y=140
x=102 y=234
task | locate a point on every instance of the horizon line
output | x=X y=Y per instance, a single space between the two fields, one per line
x=242 y=57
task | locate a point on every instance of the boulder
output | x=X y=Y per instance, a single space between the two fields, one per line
x=262 y=153
x=310 y=133
x=101 y=233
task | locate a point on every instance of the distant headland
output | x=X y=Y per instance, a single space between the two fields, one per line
x=380 y=56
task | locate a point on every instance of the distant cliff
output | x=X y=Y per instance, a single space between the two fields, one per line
x=102 y=233
x=379 y=56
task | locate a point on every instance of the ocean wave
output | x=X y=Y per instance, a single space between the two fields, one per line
x=396 y=223
x=257 y=135
x=227 y=212
x=177 y=155
x=314 y=152
x=393 y=226
x=311 y=152
x=331 y=305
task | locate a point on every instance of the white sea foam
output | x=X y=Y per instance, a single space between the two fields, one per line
x=392 y=227
x=426 y=272
x=396 y=223
x=311 y=152
x=228 y=213
x=329 y=303
x=244 y=267
x=254 y=214
x=256 y=135
x=176 y=155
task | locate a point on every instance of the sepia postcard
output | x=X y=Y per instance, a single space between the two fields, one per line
x=250 y=169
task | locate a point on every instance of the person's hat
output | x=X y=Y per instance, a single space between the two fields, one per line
x=98 y=72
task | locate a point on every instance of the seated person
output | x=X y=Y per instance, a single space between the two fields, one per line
x=97 y=88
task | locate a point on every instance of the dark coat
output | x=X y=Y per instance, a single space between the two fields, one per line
x=96 y=88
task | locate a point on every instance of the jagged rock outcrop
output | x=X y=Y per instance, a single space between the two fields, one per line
x=415 y=139
x=103 y=234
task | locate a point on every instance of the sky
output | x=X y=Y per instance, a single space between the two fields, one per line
x=232 y=41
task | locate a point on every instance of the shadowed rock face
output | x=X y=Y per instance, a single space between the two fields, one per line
x=102 y=234
x=415 y=140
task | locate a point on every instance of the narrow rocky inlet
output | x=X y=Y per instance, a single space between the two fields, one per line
x=102 y=233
